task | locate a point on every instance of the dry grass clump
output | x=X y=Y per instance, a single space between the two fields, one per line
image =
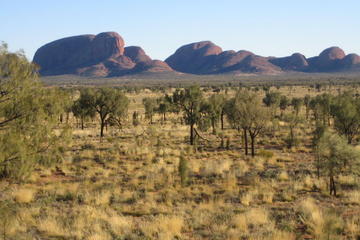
x=215 y=167
x=162 y=227
x=353 y=196
x=320 y=224
x=283 y=176
x=24 y=195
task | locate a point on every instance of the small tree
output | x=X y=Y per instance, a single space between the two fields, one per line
x=346 y=112
x=307 y=100
x=108 y=103
x=82 y=107
x=336 y=156
x=189 y=101
x=28 y=115
x=183 y=170
x=293 y=121
x=213 y=108
x=150 y=105
x=297 y=104
x=246 y=112
x=284 y=103
x=272 y=100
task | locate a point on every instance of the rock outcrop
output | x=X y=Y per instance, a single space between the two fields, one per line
x=105 y=55
x=102 y=55
x=207 y=58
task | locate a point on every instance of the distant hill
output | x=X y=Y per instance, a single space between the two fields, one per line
x=207 y=58
x=105 y=55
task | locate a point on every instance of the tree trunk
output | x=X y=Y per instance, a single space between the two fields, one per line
x=213 y=126
x=102 y=125
x=191 y=134
x=246 y=141
x=164 y=116
x=332 y=186
x=252 y=145
x=82 y=124
x=222 y=120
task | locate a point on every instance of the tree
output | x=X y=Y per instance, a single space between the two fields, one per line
x=214 y=108
x=346 y=112
x=293 y=121
x=246 y=112
x=284 y=103
x=110 y=104
x=28 y=115
x=307 y=100
x=320 y=105
x=82 y=108
x=150 y=108
x=272 y=100
x=297 y=104
x=189 y=101
x=183 y=170
x=335 y=157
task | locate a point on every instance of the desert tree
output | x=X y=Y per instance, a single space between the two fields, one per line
x=150 y=106
x=346 y=113
x=189 y=100
x=82 y=108
x=320 y=106
x=110 y=105
x=306 y=101
x=284 y=103
x=336 y=156
x=246 y=112
x=213 y=107
x=292 y=120
x=272 y=100
x=297 y=103
x=28 y=115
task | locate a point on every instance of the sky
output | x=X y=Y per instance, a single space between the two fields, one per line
x=265 y=27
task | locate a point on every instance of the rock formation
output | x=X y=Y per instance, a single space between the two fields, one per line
x=100 y=56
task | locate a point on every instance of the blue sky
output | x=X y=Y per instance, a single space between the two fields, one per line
x=265 y=27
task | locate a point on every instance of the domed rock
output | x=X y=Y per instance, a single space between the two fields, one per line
x=63 y=56
x=350 y=60
x=89 y=55
x=256 y=64
x=136 y=54
x=295 y=62
x=106 y=45
x=329 y=59
x=230 y=58
x=152 y=66
x=194 y=58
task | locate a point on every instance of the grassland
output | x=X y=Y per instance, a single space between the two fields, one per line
x=127 y=185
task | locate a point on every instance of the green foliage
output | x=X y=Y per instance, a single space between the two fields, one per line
x=150 y=105
x=346 y=112
x=82 y=108
x=8 y=214
x=297 y=104
x=28 y=114
x=189 y=101
x=272 y=99
x=335 y=156
x=246 y=112
x=183 y=170
x=292 y=120
x=284 y=102
x=110 y=104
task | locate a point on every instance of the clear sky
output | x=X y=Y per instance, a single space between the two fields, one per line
x=265 y=27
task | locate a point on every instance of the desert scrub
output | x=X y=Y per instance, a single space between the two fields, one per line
x=183 y=171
